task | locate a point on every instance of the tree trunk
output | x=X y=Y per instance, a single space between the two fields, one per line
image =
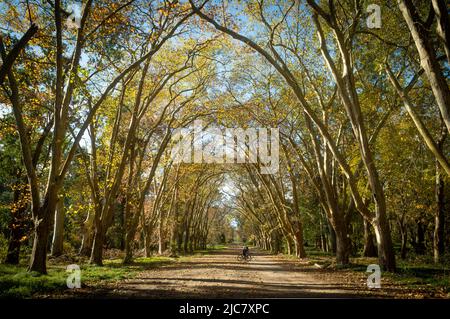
x=323 y=242
x=369 y=247
x=18 y=228
x=288 y=245
x=86 y=243
x=342 y=246
x=439 y=219
x=186 y=240
x=438 y=244
x=13 y=254
x=420 y=243
x=404 y=238
x=299 y=245
x=97 y=246
x=38 y=258
x=428 y=60
x=147 y=241
x=173 y=237
x=160 y=236
x=58 y=229
x=386 y=254
x=332 y=243
x=443 y=25
x=129 y=240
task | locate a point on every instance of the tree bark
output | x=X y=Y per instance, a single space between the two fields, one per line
x=342 y=244
x=58 y=230
x=160 y=235
x=420 y=125
x=428 y=59
x=332 y=238
x=299 y=244
x=404 y=243
x=38 y=260
x=439 y=219
x=13 y=254
x=97 y=245
x=443 y=24
x=369 y=247
x=386 y=254
x=148 y=242
x=18 y=226
x=420 y=243
x=88 y=235
x=128 y=248
x=9 y=59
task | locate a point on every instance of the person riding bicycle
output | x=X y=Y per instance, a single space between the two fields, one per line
x=245 y=251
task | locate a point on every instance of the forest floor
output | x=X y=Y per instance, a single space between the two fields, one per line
x=218 y=274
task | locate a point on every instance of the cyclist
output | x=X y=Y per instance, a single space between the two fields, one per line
x=245 y=251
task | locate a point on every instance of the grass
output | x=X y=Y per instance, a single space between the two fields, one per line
x=16 y=282
x=417 y=272
x=210 y=248
x=217 y=247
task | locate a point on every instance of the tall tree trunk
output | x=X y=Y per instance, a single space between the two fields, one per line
x=288 y=244
x=420 y=243
x=434 y=147
x=332 y=243
x=160 y=235
x=299 y=243
x=342 y=244
x=386 y=254
x=174 y=236
x=128 y=248
x=42 y=223
x=323 y=242
x=13 y=253
x=97 y=245
x=369 y=247
x=122 y=218
x=428 y=59
x=58 y=229
x=439 y=219
x=88 y=235
x=404 y=239
x=438 y=236
x=443 y=25
x=18 y=227
x=179 y=241
x=39 y=253
x=148 y=242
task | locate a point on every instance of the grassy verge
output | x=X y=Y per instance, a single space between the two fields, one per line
x=417 y=273
x=414 y=274
x=16 y=282
x=210 y=248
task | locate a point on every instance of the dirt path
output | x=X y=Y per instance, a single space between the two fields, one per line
x=220 y=275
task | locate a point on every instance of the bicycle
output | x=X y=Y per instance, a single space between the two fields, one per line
x=246 y=258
